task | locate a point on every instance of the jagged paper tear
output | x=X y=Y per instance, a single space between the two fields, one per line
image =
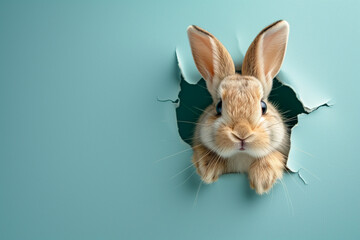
x=310 y=101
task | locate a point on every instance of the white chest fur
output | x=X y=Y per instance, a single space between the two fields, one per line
x=239 y=163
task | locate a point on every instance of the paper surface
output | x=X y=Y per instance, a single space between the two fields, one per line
x=87 y=150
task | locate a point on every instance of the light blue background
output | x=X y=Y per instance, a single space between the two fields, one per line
x=81 y=130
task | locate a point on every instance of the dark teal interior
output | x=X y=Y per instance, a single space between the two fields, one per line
x=195 y=98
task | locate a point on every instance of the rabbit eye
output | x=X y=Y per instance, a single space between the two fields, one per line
x=219 y=107
x=263 y=107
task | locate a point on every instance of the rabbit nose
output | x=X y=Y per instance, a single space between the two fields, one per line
x=242 y=140
x=242 y=131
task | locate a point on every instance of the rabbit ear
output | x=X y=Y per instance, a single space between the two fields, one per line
x=211 y=58
x=266 y=53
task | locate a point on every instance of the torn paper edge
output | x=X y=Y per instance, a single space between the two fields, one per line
x=176 y=101
x=301 y=177
x=307 y=109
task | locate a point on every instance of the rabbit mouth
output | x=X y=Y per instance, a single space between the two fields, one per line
x=242 y=145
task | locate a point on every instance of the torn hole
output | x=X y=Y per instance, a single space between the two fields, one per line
x=214 y=62
x=194 y=98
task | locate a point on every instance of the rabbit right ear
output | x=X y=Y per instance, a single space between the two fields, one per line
x=211 y=58
x=266 y=53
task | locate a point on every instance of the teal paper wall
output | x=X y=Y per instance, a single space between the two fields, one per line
x=82 y=129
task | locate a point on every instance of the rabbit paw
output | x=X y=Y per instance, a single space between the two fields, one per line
x=209 y=171
x=264 y=172
x=209 y=165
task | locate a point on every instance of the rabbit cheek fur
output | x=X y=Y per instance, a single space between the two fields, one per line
x=242 y=138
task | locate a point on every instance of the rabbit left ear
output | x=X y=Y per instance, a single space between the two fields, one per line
x=266 y=53
x=211 y=58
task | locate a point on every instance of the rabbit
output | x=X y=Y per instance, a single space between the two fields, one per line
x=241 y=131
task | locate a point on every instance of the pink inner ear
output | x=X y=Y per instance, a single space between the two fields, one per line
x=203 y=55
x=273 y=46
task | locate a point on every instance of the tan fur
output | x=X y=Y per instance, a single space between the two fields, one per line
x=265 y=171
x=211 y=59
x=208 y=164
x=265 y=54
x=218 y=138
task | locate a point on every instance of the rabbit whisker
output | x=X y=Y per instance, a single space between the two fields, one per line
x=197 y=194
x=186 y=179
x=207 y=153
x=172 y=155
x=290 y=204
